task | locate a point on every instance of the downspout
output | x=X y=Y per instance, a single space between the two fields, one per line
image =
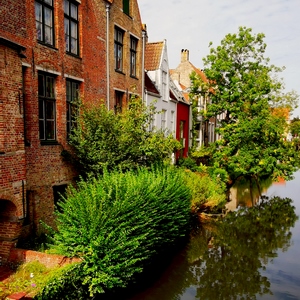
x=143 y=61
x=107 y=57
x=23 y=200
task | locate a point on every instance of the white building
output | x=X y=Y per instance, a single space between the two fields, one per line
x=160 y=91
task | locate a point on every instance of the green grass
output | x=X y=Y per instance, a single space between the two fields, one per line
x=28 y=278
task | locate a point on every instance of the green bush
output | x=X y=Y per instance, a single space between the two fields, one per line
x=106 y=140
x=63 y=283
x=118 y=223
x=207 y=193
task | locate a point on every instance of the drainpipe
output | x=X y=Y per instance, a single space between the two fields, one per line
x=144 y=33
x=107 y=56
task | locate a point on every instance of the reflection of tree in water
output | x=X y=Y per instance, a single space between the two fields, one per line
x=248 y=191
x=242 y=244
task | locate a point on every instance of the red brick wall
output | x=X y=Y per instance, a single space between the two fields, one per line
x=133 y=26
x=12 y=149
x=49 y=260
x=5 y=248
x=29 y=170
x=14 y=23
x=37 y=168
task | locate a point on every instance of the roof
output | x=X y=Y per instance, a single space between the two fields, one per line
x=153 y=53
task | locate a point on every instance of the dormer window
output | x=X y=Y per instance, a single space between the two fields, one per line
x=126 y=5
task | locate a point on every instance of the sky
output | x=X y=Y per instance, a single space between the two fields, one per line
x=192 y=24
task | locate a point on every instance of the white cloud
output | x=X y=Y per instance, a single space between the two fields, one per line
x=192 y=24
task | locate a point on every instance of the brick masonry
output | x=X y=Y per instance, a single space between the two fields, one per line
x=28 y=168
x=49 y=260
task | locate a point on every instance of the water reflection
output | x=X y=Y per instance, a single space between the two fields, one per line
x=247 y=192
x=227 y=260
x=243 y=243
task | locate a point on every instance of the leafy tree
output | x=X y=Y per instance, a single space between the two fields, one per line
x=105 y=140
x=246 y=97
x=295 y=127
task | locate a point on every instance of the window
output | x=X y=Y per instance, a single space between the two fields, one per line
x=152 y=121
x=164 y=85
x=133 y=48
x=47 y=118
x=119 y=49
x=181 y=133
x=72 y=91
x=119 y=101
x=163 y=119
x=173 y=122
x=71 y=27
x=126 y=7
x=44 y=21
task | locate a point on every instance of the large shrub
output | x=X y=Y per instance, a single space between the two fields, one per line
x=118 y=223
x=208 y=193
x=106 y=140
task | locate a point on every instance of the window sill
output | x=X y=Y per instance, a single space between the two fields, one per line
x=47 y=45
x=134 y=77
x=73 y=55
x=119 y=71
x=49 y=143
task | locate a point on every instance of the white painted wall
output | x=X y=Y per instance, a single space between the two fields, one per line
x=165 y=107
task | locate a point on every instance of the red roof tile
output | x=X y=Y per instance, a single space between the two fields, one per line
x=153 y=53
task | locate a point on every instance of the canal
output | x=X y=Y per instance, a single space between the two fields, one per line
x=250 y=256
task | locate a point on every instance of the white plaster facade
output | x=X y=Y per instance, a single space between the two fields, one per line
x=165 y=97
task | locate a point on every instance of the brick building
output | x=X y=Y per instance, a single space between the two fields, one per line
x=204 y=129
x=125 y=52
x=51 y=53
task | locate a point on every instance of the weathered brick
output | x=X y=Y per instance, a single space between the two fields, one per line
x=28 y=169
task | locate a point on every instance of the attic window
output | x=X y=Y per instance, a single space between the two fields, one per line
x=126 y=4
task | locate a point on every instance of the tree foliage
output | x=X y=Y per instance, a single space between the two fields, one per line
x=295 y=127
x=245 y=98
x=106 y=140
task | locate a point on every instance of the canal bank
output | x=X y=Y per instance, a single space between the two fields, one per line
x=257 y=270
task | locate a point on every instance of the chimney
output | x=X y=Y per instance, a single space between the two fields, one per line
x=185 y=55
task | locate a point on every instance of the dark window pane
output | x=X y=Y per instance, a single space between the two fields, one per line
x=41 y=85
x=50 y=130
x=50 y=110
x=68 y=90
x=71 y=27
x=72 y=90
x=42 y=129
x=49 y=87
x=47 y=115
x=41 y=109
x=126 y=6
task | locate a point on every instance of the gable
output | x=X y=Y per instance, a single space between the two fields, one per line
x=153 y=54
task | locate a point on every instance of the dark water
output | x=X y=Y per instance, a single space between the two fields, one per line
x=257 y=257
